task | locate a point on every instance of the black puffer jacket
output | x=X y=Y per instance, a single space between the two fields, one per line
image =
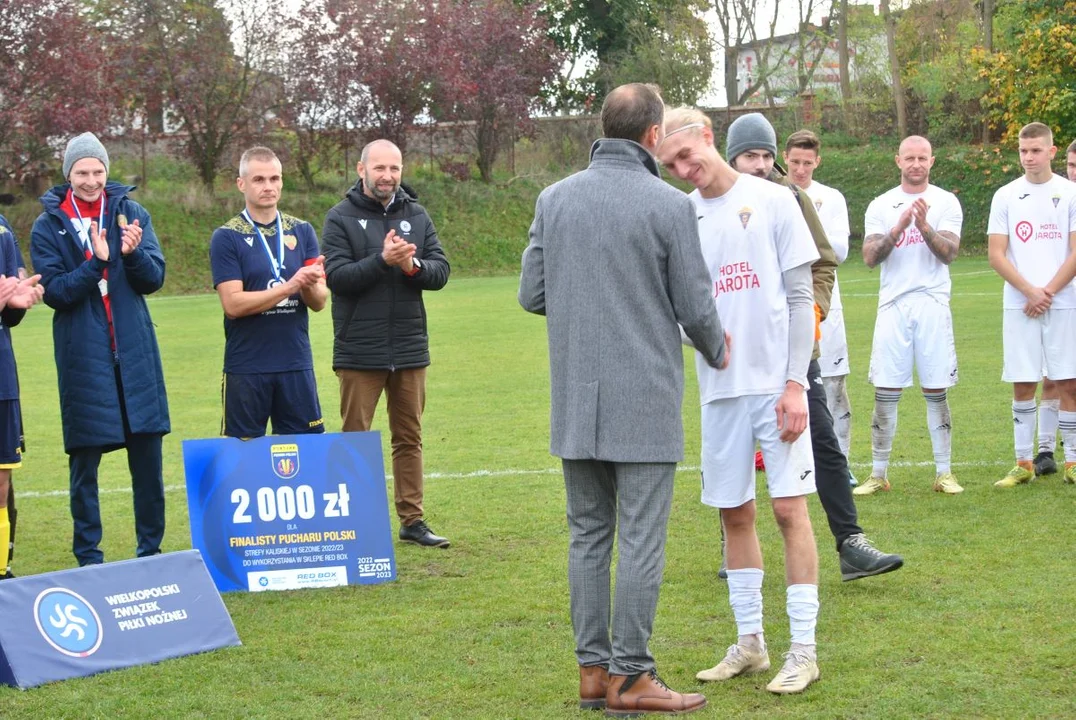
x=379 y=321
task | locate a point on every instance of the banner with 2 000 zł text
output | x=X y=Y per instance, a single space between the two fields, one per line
x=288 y=512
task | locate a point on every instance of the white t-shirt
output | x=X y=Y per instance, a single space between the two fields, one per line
x=1038 y=219
x=912 y=267
x=832 y=211
x=750 y=236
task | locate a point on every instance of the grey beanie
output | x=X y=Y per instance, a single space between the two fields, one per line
x=85 y=145
x=750 y=132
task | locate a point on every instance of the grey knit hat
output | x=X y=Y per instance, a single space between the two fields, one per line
x=85 y=145
x=750 y=132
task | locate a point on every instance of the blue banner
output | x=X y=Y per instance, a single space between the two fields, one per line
x=81 y=622
x=290 y=511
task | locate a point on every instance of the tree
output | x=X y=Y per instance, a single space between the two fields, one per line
x=389 y=60
x=51 y=86
x=842 y=52
x=736 y=21
x=676 y=56
x=1033 y=75
x=501 y=58
x=899 y=101
x=609 y=32
x=318 y=100
x=220 y=93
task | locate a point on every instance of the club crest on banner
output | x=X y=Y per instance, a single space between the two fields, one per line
x=68 y=622
x=745 y=216
x=285 y=460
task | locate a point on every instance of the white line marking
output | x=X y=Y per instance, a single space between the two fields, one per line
x=30 y=494
x=951 y=275
x=959 y=295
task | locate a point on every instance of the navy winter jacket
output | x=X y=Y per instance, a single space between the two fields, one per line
x=85 y=365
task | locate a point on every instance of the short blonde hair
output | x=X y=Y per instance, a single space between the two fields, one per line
x=679 y=118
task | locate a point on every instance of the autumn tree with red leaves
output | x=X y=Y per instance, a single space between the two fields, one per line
x=496 y=58
x=53 y=81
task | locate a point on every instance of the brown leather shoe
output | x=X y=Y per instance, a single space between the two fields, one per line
x=593 y=683
x=635 y=695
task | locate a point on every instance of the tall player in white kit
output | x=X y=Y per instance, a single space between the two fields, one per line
x=802 y=158
x=759 y=252
x=1032 y=235
x=913 y=232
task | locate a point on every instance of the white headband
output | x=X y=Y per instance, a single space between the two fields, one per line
x=689 y=126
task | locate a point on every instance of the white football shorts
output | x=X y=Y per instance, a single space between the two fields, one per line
x=730 y=428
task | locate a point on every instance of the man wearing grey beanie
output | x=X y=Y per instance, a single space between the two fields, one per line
x=751 y=147
x=99 y=257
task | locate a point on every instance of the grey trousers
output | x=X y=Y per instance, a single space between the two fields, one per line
x=601 y=495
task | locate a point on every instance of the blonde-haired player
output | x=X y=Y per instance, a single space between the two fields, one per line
x=1032 y=236
x=759 y=252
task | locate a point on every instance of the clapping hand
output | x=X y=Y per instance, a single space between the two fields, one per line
x=132 y=238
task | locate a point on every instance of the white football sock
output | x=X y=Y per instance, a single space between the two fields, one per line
x=939 y=422
x=1048 y=410
x=745 y=597
x=883 y=428
x=1066 y=420
x=1023 y=428
x=802 y=605
x=840 y=407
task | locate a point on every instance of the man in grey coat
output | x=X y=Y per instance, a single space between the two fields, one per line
x=614 y=263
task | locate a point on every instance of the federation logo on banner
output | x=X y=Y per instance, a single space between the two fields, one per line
x=285 y=460
x=68 y=622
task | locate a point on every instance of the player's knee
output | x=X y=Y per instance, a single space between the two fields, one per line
x=790 y=512
x=739 y=518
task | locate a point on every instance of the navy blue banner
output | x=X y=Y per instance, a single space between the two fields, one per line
x=290 y=511
x=81 y=622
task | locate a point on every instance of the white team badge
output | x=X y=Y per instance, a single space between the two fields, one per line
x=363 y=223
x=406 y=226
x=250 y=241
x=1056 y=199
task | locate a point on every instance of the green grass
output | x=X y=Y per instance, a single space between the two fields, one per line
x=978 y=623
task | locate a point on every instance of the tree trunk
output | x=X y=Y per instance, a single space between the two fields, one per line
x=732 y=92
x=842 y=53
x=894 y=68
x=988 y=47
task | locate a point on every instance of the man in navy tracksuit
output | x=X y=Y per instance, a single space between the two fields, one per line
x=99 y=257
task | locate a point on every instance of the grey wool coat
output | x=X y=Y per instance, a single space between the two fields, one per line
x=614 y=264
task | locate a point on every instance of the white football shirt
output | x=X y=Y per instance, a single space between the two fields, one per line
x=832 y=211
x=750 y=236
x=912 y=267
x=1038 y=219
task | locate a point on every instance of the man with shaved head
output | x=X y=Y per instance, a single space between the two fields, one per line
x=381 y=252
x=913 y=232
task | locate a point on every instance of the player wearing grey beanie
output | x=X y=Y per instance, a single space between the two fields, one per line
x=750 y=132
x=85 y=145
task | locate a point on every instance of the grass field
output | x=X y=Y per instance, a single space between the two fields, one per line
x=979 y=622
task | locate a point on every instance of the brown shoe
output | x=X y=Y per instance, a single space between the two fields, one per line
x=593 y=683
x=635 y=695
